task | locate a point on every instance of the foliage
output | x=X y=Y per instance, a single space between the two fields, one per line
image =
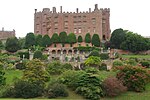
x=38 y=40
x=24 y=89
x=26 y=54
x=86 y=48
x=104 y=56
x=80 y=39
x=55 y=38
x=12 y=44
x=103 y=66
x=67 y=66
x=117 y=63
x=131 y=62
x=1 y=45
x=113 y=87
x=91 y=70
x=21 y=42
x=2 y=77
x=94 y=53
x=92 y=61
x=20 y=66
x=72 y=38
x=117 y=37
x=96 y=40
x=46 y=41
x=57 y=90
x=87 y=38
x=135 y=78
x=35 y=72
x=145 y=64
x=37 y=55
x=135 y=43
x=29 y=40
x=89 y=86
x=63 y=37
x=70 y=78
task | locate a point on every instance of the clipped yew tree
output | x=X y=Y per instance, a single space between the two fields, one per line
x=88 y=38
x=55 y=38
x=46 y=41
x=63 y=37
x=29 y=40
x=96 y=40
x=37 y=54
x=72 y=38
x=38 y=40
x=80 y=39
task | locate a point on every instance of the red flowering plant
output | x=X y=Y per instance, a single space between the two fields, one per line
x=134 y=78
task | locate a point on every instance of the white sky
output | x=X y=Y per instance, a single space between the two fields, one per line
x=133 y=15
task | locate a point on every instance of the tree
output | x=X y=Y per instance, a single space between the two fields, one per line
x=46 y=41
x=21 y=42
x=38 y=40
x=1 y=45
x=93 y=61
x=72 y=38
x=30 y=40
x=134 y=42
x=63 y=37
x=117 y=37
x=12 y=44
x=88 y=38
x=35 y=72
x=37 y=54
x=96 y=40
x=55 y=38
x=80 y=39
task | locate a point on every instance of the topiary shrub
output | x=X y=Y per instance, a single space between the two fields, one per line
x=135 y=78
x=117 y=63
x=20 y=66
x=103 y=66
x=56 y=90
x=94 y=53
x=37 y=54
x=113 y=87
x=104 y=56
x=145 y=64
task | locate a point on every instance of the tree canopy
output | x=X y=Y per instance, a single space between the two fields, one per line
x=46 y=41
x=63 y=37
x=80 y=39
x=30 y=40
x=38 y=40
x=96 y=40
x=12 y=44
x=55 y=38
x=88 y=38
x=72 y=38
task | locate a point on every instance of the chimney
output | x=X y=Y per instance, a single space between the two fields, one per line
x=35 y=10
x=54 y=9
x=89 y=9
x=60 y=9
x=77 y=10
x=96 y=7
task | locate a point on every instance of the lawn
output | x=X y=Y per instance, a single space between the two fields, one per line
x=137 y=56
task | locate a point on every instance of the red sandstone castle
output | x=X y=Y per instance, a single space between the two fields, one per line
x=80 y=23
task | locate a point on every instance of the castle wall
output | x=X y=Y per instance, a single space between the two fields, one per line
x=80 y=23
x=6 y=34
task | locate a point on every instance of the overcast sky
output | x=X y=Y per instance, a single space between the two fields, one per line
x=133 y=15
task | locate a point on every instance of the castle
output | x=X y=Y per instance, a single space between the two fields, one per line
x=6 y=34
x=80 y=23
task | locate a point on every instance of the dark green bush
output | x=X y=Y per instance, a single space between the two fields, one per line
x=20 y=66
x=94 y=53
x=145 y=64
x=24 y=89
x=67 y=66
x=117 y=63
x=37 y=54
x=103 y=66
x=2 y=78
x=113 y=87
x=56 y=90
x=131 y=62
x=26 y=55
x=104 y=56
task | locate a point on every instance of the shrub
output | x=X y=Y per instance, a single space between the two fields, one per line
x=131 y=62
x=145 y=64
x=103 y=66
x=113 y=87
x=104 y=56
x=93 y=61
x=91 y=70
x=56 y=90
x=67 y=66
x=20 y=66
x=24 y=89
x=135 y=78
x=90 y=86
x=2 y=78
x=26 y=55
x=117 y=63
x=37 y=54
x=8 y=92
x=94 y=53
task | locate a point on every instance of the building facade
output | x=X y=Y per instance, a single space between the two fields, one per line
x=6 y=34
x=80 y=23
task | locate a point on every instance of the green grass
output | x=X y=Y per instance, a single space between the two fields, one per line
x=137 y=56
x=11 y=75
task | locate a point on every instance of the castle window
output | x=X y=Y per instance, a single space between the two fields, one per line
x=79 y=30
x=66 y=23
x=93 y=21
x=75 y=30
x=74 y=16
x=84 y=16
